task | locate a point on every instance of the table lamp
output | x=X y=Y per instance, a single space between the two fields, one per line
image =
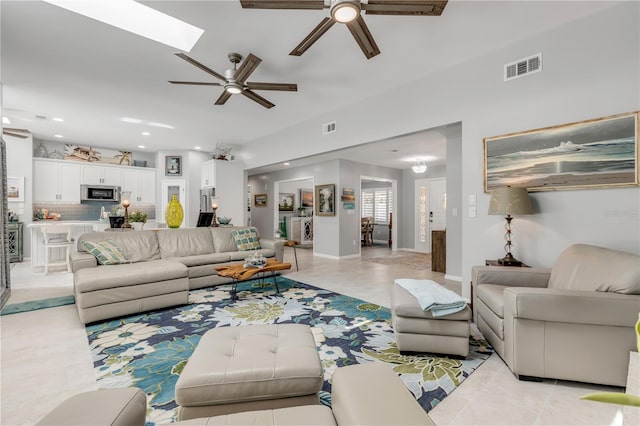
x=126 y=202
x=509 y=201
x=214 y=207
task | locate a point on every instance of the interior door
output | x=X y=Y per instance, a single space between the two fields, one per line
x=437 y=204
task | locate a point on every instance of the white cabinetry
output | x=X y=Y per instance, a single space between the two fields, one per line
x=101 y=175
x=142 y=184
x=208 y=174
x=56 y=181
x=227 y=177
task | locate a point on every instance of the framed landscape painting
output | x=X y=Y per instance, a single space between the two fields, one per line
x=15 y=188
x=326 y=200
x=597 y=153
x=285 y=202
x=260 y=200
x=306 y=198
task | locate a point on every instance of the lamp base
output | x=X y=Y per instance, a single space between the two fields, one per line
x=509 y=260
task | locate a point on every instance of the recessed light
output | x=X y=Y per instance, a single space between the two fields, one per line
x=141 y=146
x=5 y=120
x=287 y=163
x=131 y=120
x=58 y=136
x=60 y=120
x=162 y=125
x=139 y=19
x=146 y=133
x=197 y=148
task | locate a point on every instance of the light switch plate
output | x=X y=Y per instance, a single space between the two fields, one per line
x=472 y=212
x=472 y=199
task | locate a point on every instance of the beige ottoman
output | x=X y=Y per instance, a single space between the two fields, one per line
x=255 y=367
x=115 y=407
x=418 y=331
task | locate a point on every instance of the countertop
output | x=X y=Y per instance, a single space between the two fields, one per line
x=41 y=223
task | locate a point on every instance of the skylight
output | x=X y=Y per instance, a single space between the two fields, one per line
x=138 y=19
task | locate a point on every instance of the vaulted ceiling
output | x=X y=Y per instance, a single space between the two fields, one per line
x=59 y=64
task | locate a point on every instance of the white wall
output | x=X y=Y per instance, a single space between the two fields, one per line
x=587 y=73
x=19 y=163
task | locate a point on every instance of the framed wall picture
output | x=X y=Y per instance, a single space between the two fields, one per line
x=602 y=152
x=260 y=200
x=286 y=202
x=325 y=200
x=15 y=189
x=173 y=165
x=306 y=198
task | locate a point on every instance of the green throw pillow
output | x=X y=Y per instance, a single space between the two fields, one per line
x=246 y=239
x=107 y=252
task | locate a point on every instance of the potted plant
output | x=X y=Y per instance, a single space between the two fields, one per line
x=302 y=212
x=137 y=219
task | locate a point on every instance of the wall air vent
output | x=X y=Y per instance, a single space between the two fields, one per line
x=41 y=117
x=329 y=128
x=522 y=67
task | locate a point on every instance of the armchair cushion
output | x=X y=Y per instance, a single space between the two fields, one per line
x=589 y=268
x=493 y=296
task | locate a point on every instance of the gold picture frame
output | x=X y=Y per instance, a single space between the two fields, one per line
x=597 y=153
x=260 y=200
x=325 y=200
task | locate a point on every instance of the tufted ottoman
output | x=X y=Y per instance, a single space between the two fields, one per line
x=253 y=367
x=418 y=331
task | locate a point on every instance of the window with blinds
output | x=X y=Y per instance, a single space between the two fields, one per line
x=377 y=203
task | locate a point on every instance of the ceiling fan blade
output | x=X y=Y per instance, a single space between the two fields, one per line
x=15 y=135
x=365 y=40
x=248 y=66
x=259 y=99
x=224 y=97
x=195 y=83
x=287 y=87
x=405 y=7
x=283 y=4
x=313 y=36
x=201 y=66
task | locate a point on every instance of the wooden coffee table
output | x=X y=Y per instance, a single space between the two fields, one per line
x=238 y=272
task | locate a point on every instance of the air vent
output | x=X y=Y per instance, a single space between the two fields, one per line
x=522 y=67
x=41 y=117
x=329 y=128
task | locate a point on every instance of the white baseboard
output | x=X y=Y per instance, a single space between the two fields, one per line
x=452 y=277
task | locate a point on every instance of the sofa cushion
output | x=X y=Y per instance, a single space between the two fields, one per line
x=106 y=252
x=137 y=246
x=184 y=242
x=591 y=268
x=223 y=240
x=204 y=259
x=246 y=239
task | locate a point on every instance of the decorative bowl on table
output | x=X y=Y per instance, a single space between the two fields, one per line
x=224 y=220
x=255 y=261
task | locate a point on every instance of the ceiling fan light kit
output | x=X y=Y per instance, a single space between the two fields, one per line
x=348 y=12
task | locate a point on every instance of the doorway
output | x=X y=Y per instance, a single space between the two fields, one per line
x=430 y=211
x=379 y=200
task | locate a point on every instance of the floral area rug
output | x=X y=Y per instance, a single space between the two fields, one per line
x=150 y=350
x=417 y=261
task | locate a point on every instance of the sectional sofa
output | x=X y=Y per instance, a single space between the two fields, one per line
x=155 y=269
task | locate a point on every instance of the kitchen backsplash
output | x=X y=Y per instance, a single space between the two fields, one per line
x=90 y=211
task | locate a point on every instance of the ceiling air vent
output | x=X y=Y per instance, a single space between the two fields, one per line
x=329 y=128
x=522 y=67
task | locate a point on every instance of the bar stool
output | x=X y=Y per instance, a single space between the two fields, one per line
x=56 y=237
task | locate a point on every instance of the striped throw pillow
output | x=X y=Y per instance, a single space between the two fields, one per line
x=106 y=252
x=246 y=239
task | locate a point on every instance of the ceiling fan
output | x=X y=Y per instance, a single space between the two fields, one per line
x=235 y=79
x=16 y=133
x=348 y=13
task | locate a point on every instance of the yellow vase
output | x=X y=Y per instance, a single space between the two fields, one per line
x=174 y=213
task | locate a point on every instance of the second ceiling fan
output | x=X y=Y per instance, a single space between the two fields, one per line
x=348 y=13
x=235 y=79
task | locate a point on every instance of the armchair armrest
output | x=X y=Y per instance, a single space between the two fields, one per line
x=510 y=276
x=571 y=306
x=80 y=260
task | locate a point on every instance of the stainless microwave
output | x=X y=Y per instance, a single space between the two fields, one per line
x=99 y=193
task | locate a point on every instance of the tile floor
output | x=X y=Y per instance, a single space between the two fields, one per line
x=45 y=356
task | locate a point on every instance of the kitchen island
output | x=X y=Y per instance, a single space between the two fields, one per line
x=37 y=239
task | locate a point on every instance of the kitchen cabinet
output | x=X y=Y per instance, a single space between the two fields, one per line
x=142 y=184
x=14 y=229
x=101 y=175
x=56 y=181
x=301 y=229
x=208 y=174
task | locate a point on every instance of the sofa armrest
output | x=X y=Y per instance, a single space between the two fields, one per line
x=81 y=260
x=510 y=276
x=372 y=394
x=571 y=306
x=276 y=245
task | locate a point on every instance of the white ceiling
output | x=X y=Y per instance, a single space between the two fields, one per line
x=55 y=63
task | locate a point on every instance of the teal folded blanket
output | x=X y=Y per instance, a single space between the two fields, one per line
x=433 y=297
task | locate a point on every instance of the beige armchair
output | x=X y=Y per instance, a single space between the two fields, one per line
x=574 y=321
